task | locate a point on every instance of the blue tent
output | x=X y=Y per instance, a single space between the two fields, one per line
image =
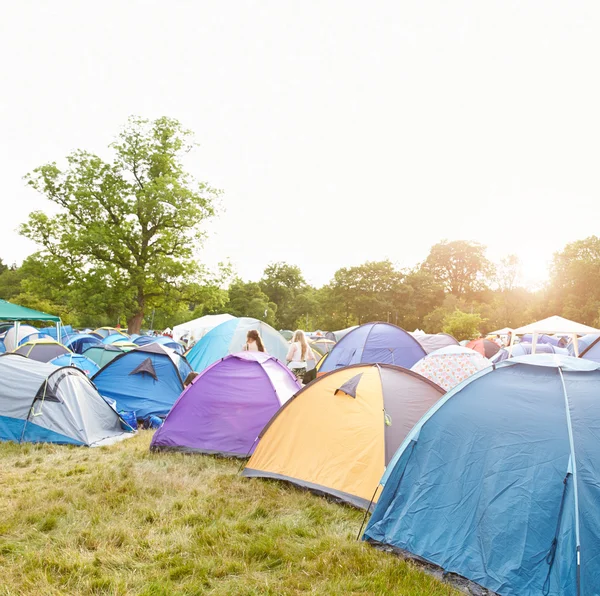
x=80 y=342
x=89 y=367
x=500 y=481
x=524 y=349
x=559 y=342
x=115 y=338
x=147 y=380
x=372 y=343
x=589 y=347
x=163 y=340
x=230 y=337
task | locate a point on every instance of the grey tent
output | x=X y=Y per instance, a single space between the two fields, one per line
x=431 y=342
x=43 y=403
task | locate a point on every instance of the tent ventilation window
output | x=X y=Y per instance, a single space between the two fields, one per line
x=350 y=386
x=145 y=367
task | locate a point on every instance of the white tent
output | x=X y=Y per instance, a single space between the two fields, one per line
x=553 y=325
x=198 y=328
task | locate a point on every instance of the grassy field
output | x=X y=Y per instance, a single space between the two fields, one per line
x=119 y=520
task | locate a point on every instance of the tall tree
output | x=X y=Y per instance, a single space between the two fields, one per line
x=282 y=283
x=248 y=300
x=131 y=225
x=461 y=266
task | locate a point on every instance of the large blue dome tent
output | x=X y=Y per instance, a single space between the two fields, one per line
x=163 y=340
x=372 y=343
x=147 y=380
x=230 y=337
x=500 y=481
x=80 y=342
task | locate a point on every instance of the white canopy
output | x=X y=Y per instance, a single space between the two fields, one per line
x=198 y=328
x=555 y=324
x=503 y=331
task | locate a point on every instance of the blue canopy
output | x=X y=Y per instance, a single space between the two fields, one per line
x=372 y=343
x=499 y=482
x=147 y=380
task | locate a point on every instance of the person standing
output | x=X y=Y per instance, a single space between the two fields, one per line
x=254 y=342
x=298 y=354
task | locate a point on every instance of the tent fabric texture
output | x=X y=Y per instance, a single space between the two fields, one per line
x=431 y=342
x=42 y=403
x=12 y=339
x=450 y=366
x=80 y=342
x=559 y=342
x=338 y=433
x=225 y=408
x=144 y=340
x=42 y=350
x=230 y=338
x=338 y=335
x=102 y=354
x=499 y=482
x=103 y=332
x=89 y=367
x=147 y=380
x=525 y=349
x=382 y=343
x=192 y=331
x=589 y=347
x=485 y=347
x=115 y=338
x=14 y=312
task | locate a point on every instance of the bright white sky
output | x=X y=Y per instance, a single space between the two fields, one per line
x=340 y=131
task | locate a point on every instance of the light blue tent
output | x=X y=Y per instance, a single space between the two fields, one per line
x=147 y=380
x=80 y=342
x=89 y=367
x=372 y=343
x=230 y=337
x=525 y=349
x=115 y=338
x=500 y=481
x=163 y=340
x=589 y=347
x=43 y=403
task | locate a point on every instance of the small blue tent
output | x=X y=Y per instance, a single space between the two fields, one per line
x=80 y=342
x=500 y=481
x=115 y=338
x=372 y=343
x=230 y=337
x=163 y=340
x=147 y=380
x=89 y=367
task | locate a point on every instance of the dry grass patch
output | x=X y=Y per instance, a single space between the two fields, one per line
x=120 y=520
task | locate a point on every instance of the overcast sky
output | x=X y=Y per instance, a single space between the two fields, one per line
x=340 y=131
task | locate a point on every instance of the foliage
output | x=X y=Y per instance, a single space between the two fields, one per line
x=461 y=266
x=128 y=227
x=462 y=325
x=282 y=284
x=248 y=300
x=122 y=521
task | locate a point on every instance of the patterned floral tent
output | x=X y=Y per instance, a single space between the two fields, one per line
x=450 y=366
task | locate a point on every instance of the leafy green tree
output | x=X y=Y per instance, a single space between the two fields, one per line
x=3 y=267
x=127 y=228
x=248 y=300
x=461 y=266
x=462 y=325
x=282 y=283
x=10 y=281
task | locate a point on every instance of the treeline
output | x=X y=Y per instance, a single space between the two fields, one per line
x=456 y=289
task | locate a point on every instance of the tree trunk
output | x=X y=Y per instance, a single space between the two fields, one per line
x=134 y=323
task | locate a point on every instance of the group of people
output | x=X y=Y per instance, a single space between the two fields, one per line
x=297 y=357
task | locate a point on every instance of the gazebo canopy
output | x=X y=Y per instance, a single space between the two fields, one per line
x=555 y=324
x=14 y=312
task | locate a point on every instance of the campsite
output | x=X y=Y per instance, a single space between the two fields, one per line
x=300 y=298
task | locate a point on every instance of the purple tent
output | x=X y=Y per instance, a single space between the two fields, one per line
x=227 y=405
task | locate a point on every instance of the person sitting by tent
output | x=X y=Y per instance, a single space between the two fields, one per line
x=298 y=354
x=254 y=342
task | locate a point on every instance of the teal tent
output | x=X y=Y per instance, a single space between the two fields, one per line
x=16 y=313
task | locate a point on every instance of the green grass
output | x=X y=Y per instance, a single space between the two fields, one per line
x=120 y=520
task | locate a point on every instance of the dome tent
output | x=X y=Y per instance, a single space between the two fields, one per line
x=524 y=349
x=147 y=380
x=13 y=337
x=337 y=434
x=230 y=338
x=227 y=405
x=431 y=342
x=195 y=330
x=485 y=347
x=42 y=403
x=589 y=347
x=89 y=367
x=374 y=342
x=80 y=342
x=42 y=350
x=102 y=354
x=163 y=340
x=450 y=366
x=499 y=481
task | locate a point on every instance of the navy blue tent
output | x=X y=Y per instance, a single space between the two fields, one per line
x=372 y=343
x=80 y=342
x=163 y=340
x=147 y=380
x=500 y=481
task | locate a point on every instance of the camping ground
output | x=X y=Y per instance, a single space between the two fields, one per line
x=121 y=520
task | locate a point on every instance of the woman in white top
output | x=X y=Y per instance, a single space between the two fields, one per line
x=298 y=354
x=254 y=342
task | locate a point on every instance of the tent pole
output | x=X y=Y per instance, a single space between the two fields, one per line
x=534 y=342
x=576 y=344
x=58 y=338
x=16 y=335
x=512 y=343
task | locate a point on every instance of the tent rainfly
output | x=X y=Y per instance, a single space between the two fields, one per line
x=553 y=325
